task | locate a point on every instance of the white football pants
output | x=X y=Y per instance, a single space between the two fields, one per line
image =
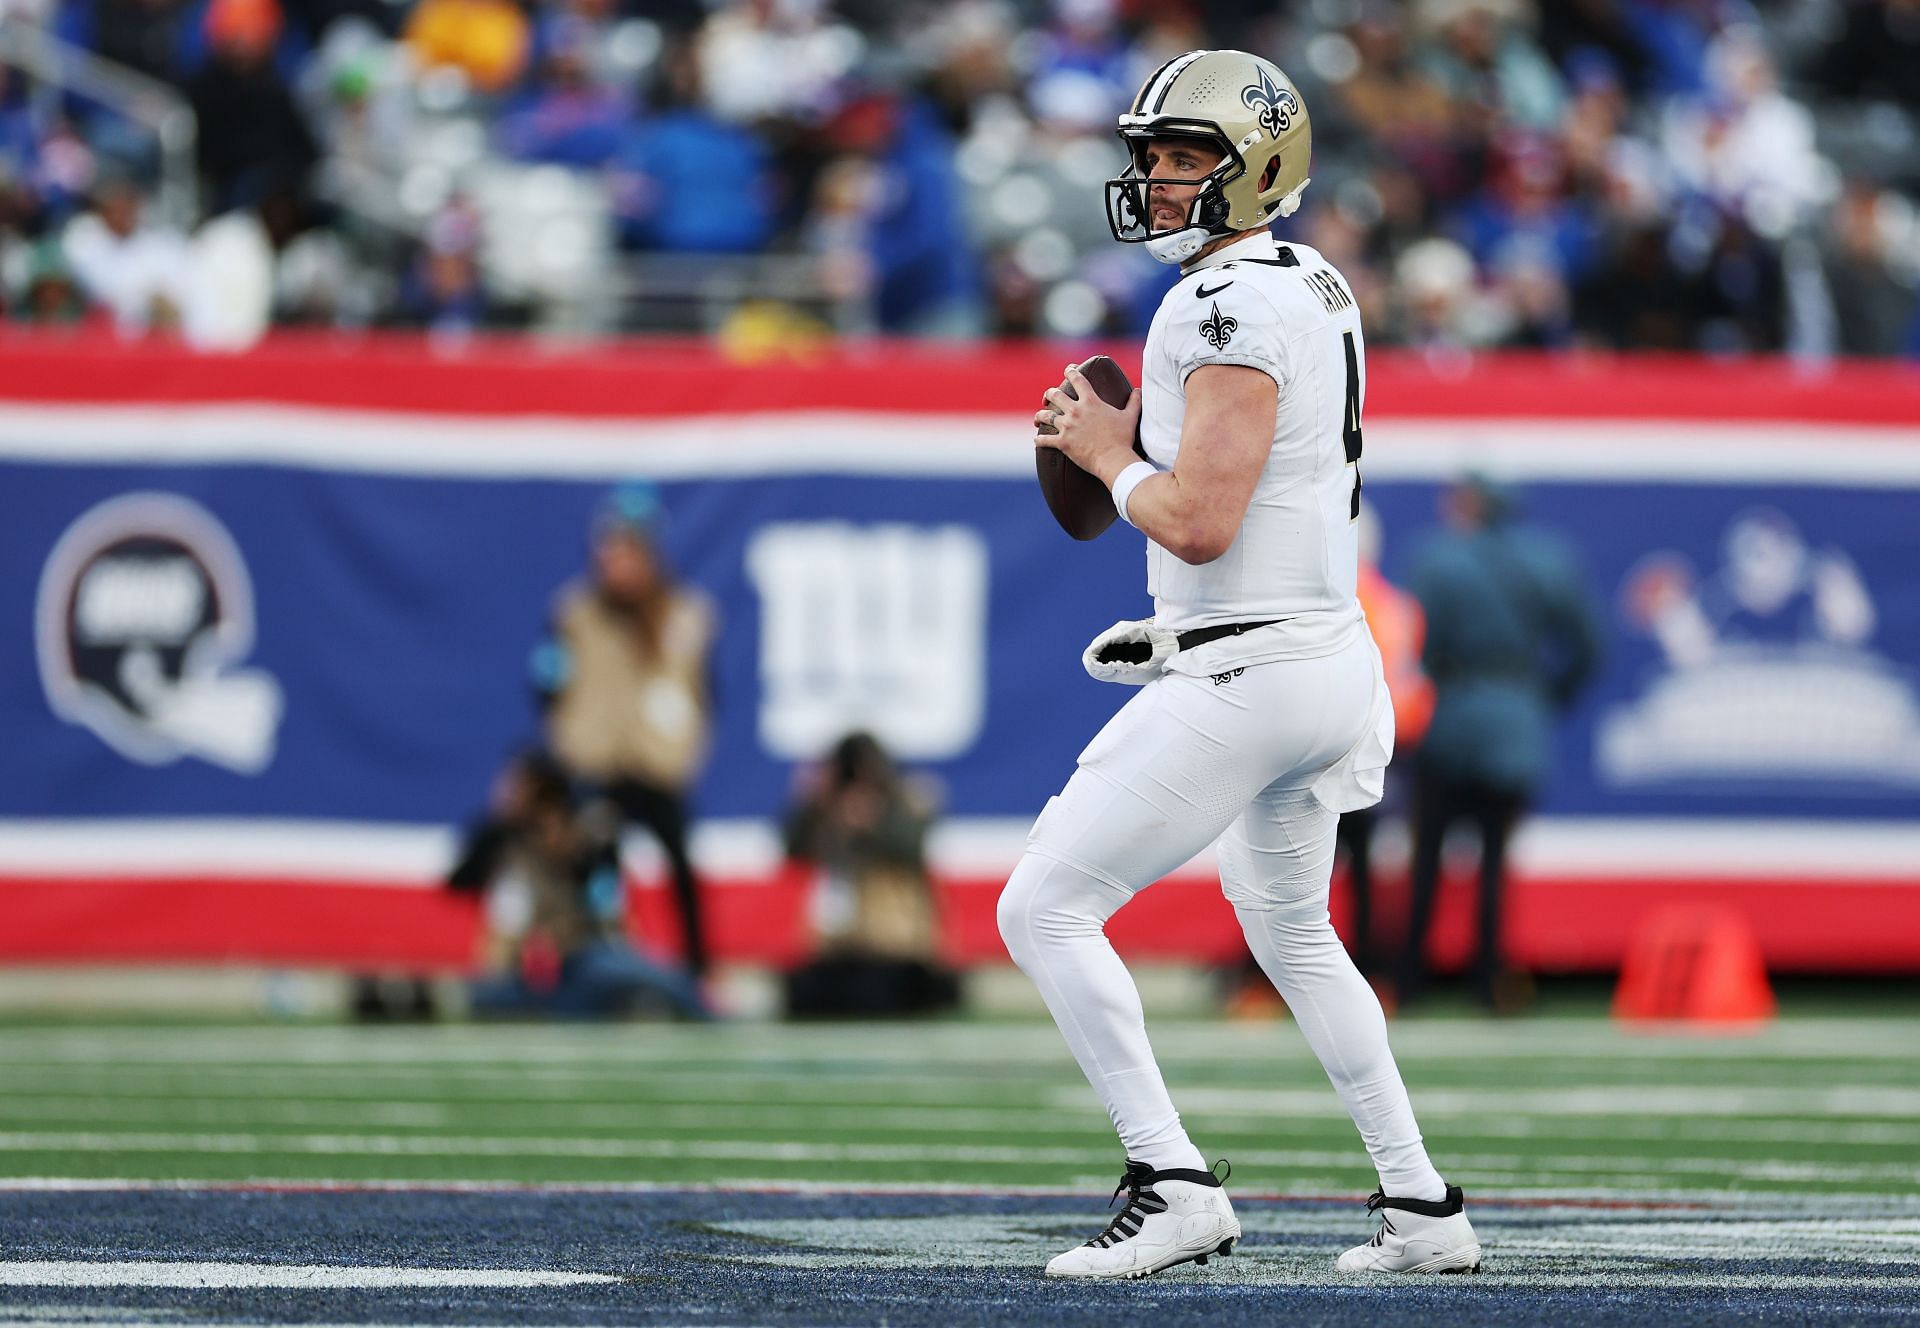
x=1185 y=762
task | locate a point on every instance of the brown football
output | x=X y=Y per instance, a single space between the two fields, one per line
x=1078 y=501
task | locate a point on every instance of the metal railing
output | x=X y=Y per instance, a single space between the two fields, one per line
x=146 y=101
x=696 y=293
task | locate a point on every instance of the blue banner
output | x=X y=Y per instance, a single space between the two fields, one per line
x=277 y=641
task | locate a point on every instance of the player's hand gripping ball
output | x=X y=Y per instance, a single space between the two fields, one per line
x=1078 y=500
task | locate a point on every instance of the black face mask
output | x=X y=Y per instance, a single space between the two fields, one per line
x=1128 y=200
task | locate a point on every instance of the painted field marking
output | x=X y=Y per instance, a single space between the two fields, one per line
x=1187 y=1041
x=642 y=1118
x=1718 y=1236
x=639 y=1083
x=730 y=1086
x=1602 y=1198
x=280 y=1111
x=1537 y=1203
x=951 y=1125
x=389 y=1145
x=770 y=1185
x=1637 y=1100
x=296 y=1277
x=652 y=1118
x=1547 y=1246
x=796 y=1151
x=952 y=1084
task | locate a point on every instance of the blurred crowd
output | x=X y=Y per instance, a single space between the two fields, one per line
x=1726 y=176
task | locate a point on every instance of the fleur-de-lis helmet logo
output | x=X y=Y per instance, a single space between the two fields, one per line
x=1273 y=105
x=1218 y=329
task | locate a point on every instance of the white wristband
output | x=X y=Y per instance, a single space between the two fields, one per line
x=1127 y=481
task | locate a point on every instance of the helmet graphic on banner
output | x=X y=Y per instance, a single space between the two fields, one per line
x=145 y=613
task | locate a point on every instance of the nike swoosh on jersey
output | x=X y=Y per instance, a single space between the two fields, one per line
x=1205 y=294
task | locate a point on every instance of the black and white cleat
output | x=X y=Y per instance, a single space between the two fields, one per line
x=1170 y=1217
x=1417 y=1236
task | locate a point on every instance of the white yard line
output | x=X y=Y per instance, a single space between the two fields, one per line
x=614 y=1050
x=1632 y=1099
x=388 y=1145
x=507 y=1084
x=732 y=1185
x=1257 y=1266
x=173 y=1110
x=1520 y=1202
x=795 y=1150
x=650 y=1117
x=637 y=1118
x=294 y=1277
x=1561 y=1246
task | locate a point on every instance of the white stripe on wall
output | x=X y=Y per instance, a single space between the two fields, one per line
x=904 y=445
x=963 y=847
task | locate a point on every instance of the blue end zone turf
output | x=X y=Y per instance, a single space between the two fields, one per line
x=707 y=1257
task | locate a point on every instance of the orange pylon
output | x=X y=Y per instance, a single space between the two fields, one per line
x=1696 y=964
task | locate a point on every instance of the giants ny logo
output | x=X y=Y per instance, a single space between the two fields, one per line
x=879 y=628
x=145 y=614
x=1272 y=104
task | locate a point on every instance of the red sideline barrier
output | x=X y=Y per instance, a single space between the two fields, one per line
x=1559 y=925
x=671 y=377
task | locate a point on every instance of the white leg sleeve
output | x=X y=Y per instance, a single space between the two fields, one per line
x=1053 y=917
x=1144 y=800
x=1275 y=864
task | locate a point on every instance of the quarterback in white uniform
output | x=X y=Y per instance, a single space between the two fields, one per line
x=1262 y=712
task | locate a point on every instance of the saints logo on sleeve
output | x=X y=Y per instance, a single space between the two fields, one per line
x=1225 y=320
x=1218 y=329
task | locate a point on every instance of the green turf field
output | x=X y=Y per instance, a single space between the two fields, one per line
x=1563 y=1106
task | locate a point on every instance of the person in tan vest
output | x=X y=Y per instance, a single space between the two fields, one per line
x=624 y=677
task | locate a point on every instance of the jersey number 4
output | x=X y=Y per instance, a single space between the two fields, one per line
x=1350 y=429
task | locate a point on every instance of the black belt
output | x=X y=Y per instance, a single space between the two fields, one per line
x=1199 y=636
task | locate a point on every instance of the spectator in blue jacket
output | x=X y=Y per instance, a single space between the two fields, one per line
x=686 y=181
x=566 y=117
x=1512 y=638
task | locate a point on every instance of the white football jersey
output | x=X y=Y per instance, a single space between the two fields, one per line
x=1284 y=310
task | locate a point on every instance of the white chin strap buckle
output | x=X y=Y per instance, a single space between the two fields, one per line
x=1178 y=246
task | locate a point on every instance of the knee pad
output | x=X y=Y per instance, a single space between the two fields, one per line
x=1287 y=888
x=1288 y=870
x=1296 y=932
x=1015 y=909
x=1046 y=899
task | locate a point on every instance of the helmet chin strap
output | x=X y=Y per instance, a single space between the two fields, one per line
x=1178 y=246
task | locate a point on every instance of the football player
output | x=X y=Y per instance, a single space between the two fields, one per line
x=1262 y=713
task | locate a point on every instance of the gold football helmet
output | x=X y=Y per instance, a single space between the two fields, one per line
x=1242 y=107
